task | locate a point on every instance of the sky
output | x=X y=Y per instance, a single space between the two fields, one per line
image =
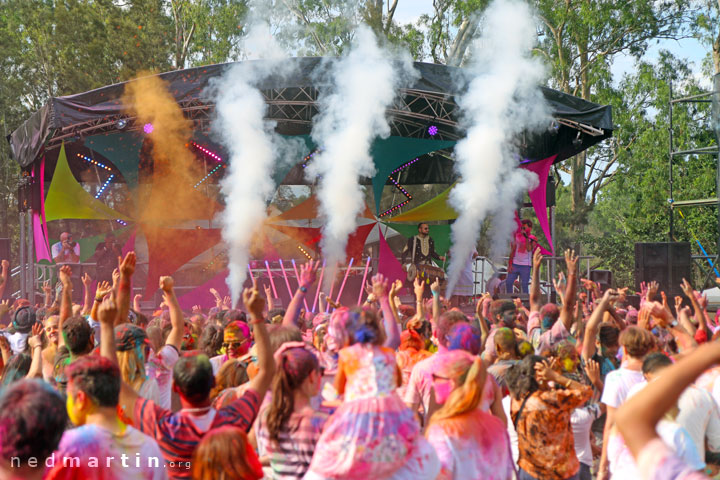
x=409 y=11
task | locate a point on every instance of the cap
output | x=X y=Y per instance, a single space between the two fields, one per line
x=128 y=336
x=24 y=319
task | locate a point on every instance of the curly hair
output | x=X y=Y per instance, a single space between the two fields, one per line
x=211 y=340
x=521 y=379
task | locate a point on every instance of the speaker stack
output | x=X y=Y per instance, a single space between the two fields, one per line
x=664 y=262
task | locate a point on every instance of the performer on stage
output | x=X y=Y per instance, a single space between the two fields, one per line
x=521 y=253
x=420 y=249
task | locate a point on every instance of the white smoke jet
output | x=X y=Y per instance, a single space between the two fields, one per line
x=502 y=100
x=253 y=146
x=351 y=115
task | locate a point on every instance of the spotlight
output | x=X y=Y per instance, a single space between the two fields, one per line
x=577 y=141
x=432 y=130
x=148 y=128
x=120 y=124
x=554 y=127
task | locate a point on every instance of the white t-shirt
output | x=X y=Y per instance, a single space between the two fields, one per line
x=622 y=463
x=506 y=401
x=17 y=341
x=58 y=248
x=699 y=415
x=160 y=367
x=618 y=384
x=581 y=421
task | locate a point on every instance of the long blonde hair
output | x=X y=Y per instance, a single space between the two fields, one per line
x=132 y=368
x=470 y=372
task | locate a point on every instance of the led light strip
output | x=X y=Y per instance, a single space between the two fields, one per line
x=399 y=187
x=102 y=189
x=304 y=252
x=218 y=167
x=90 y=160
x=121 y=222
x=207 y=152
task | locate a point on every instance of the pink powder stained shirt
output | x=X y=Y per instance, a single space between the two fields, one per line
x=658 y=462
x=472 y=445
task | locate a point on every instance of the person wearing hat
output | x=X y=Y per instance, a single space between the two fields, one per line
x=23 y=321
x=133 y=348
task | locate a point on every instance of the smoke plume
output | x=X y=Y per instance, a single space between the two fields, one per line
x=351 y=115
x=253 y=145
x=502 y=100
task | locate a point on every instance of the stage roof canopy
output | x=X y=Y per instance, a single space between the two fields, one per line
x=292 y=103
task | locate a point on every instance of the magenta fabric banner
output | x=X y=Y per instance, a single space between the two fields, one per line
x=388 y=265
x=41 y=248
x=538 y=196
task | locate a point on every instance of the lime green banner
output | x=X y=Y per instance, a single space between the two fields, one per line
x=66 y=198
x=435 y=209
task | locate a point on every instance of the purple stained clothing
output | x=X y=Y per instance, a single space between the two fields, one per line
x=93 y=452
x=657 y=462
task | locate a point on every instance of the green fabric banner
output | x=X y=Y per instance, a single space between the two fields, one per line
x=390 y=153
x=66 y=198
x=123 y=150
x=439 y=233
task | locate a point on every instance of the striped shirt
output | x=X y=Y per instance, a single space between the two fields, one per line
x=290 y=457
x=179 y=433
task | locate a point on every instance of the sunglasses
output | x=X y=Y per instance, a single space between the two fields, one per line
x=234 y=345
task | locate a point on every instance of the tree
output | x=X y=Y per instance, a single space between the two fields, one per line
x=579 y=40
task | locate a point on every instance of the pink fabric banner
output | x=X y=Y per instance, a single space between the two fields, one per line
x=130 y=244
x=42 y=252
x=388 y=265
x=538 y=196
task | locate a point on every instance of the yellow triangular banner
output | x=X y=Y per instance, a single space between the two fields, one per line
x=66 y=198
x=435 y=209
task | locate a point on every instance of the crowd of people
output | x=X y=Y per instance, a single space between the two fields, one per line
x=588 y=387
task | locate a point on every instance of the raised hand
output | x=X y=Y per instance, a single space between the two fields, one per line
x=571 y=261
x=678 y=303
x=559 y=285
x=86 y=280
x=36 y=339
x=545 y=371
x=254 y=303
x=592 y=369
x=107 y=312
x=127 y=264
x=308 y=273
x=268 y=291
x=418 y=288
x=395 y=288
x=64 y=275
x=115 y=277
x=380 y=286
x=215 y=294
x=102 y=289
x=227 y=302
x=537 y=258
x=652 y=290
x=196 y=309
x=4 y=307
x=5 y=264
x=687 y=289
x=138 y=297
x=167 y=284
x=47 y=288
x=435 y=286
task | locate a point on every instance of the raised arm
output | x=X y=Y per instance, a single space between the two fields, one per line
x=35 y=343
x=637 y=417
x=535 y=284
x=255 y=304
x=593 y=325
x=435 y=289
x=380 y=290
x=87 y=284
x=47 y=290
x=308 y=273
x=103 y=288
x=136 y=302
x=4 y=276
x=65 y=302
x=107 y=316
x=393 y=299
x=175 y=337
x=126 y=267
x=566 y=313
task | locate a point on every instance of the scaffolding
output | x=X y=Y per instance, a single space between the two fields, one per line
x=713 y=98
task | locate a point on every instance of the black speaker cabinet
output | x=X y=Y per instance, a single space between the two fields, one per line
x=664 y=262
